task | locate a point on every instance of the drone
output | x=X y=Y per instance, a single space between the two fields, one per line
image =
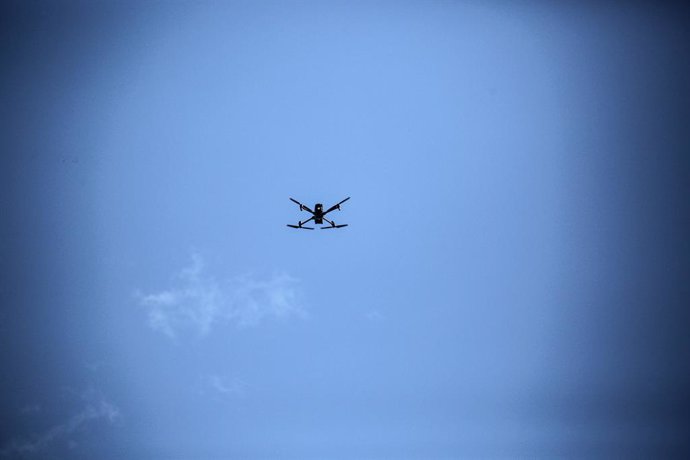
x=318 y=215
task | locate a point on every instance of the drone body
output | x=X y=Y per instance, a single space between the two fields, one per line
x=317 y=215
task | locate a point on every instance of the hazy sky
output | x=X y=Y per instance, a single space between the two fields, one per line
x=513 y=281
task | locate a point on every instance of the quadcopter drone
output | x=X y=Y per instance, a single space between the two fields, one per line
x=318 y=215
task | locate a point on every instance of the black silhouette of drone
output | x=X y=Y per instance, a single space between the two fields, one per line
x=318 y=215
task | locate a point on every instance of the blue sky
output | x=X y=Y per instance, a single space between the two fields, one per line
x=512 y=282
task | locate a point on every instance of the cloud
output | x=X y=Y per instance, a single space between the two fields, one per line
x=95 y=408
x=200 y=302
x=222 y=386
x=31 y=409
x=374 y=315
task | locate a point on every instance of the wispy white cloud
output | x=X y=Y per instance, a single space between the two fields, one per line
x=199 y=302
x=95 y=408
x=374 y=315
x=222 y=386
x=31 y=409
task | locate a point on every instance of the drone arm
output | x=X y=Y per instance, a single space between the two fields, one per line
x=336 y=206
x=300 y=224
x=301 y=206
x=311 y=218
x=332 y=225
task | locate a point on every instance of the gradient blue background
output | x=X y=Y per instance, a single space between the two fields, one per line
x=513 y=282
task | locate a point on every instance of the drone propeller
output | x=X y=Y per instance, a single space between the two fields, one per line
x=299 y=226
x=334 y=226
